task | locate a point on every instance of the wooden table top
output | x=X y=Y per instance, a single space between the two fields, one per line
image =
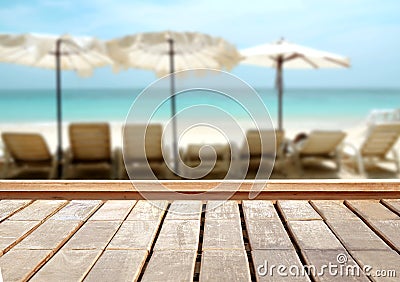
x=129 y=240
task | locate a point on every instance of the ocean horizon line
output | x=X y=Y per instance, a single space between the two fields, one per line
x=394 y=88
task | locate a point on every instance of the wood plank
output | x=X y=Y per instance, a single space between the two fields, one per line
x=36 y=249
x=333 y=210
x=39 y=210
x=223 y=235
x=355 y=235
x=77 y=210
x=314 y=235
x=28 y=263
x=264 y=259
x=222 y=210
x=113 y=210
x=393 y=204
x=381 y=220
x=71 y=265
x=170 y=266
x=118 y=265
x=319 y=259
x=389 y=230
x=259 y=210
x=93 y=235
x=185 y=210
x=16 y=231
x=178 y=235
x=49 y=235
x=298 y=210
x=371 y=210
x=195 y=190
x=267 y=234
x=379 y=260
x=224 y=265
x=148 y=210
x=135 y=235
x=13 y=232
x=9 y=207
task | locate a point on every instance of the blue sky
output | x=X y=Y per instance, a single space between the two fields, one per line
x=367 y=31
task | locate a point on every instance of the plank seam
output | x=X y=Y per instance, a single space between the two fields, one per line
x=337 y=237
x=373 y=229
x=17 y=210
x=150 y=253
x=57 y=248
x=29 y=232
x=247 y=246
x=292 y=239
x=197 y=269
x=108 y=243
x=389 y=207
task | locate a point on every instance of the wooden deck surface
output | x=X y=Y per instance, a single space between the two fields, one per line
x=129 y=240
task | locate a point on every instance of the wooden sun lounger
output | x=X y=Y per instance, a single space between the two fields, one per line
x=27 y=156
x=90 y=155
x=197 y=240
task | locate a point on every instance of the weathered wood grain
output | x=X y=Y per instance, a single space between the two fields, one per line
x=298 y=210
x=148 y=210
x=185 y=210
x=9 y=207
x=224 y=265
x=178 y=235
x=118 y=265
x=314 y=235
x=371 y=210
x=135 y=235
x=223 y=235
x=39 y=210
x=172 y=265
x=113 y=210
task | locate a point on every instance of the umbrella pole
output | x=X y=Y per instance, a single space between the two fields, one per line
x=173 y=105
x=279 y=85
x=59 y=116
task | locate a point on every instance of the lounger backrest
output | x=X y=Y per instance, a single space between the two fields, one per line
x=26 y=147
x=143 y=142
x=222 y=152
x=380 y=139
x=264 y=142
x=90 y=142
x=322 y=142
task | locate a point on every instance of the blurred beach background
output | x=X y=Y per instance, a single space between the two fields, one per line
x=327 y=99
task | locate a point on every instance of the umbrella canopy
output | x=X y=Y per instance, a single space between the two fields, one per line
x=191 y=50
x=283 y=54
x=167 y=52
x=81 y=54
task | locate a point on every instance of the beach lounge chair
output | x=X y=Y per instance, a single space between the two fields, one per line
x=377 y=146
x=90 y=155
x=27 y=156
x=143 y=150
x=263 y=149
x=211 y=162
x=320 y=146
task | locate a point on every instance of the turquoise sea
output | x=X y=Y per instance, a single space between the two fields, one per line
x=353 y=105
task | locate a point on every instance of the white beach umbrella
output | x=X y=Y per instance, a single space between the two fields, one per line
x=81 y=54
x=283 y=54
x=167 y=52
